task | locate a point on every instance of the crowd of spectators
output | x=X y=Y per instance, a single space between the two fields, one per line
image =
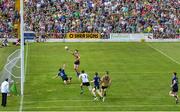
x=8 y=17
x=103 y=16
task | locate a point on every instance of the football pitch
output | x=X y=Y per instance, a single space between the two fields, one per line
x=140 y=72
x=141 y=76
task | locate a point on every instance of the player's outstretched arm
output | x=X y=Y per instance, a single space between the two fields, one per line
x=92 y=81
x=80 y=77
x=110 y=82
x=64 y=66
x=70 y=51
x=54 y=77
x=174 y=82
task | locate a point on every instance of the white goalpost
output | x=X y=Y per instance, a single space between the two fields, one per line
x=22 y=45
x=12 y=68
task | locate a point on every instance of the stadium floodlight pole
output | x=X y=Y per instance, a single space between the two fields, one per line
x=22 y=45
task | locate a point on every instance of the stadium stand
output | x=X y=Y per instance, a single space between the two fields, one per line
x=8 y=17
x=57 y=17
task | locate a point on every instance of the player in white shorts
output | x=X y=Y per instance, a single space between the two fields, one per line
x=85 y=81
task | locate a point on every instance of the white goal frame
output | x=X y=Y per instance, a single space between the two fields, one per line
x=22 y=45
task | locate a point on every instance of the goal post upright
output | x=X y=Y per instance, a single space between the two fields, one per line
x=22 y=44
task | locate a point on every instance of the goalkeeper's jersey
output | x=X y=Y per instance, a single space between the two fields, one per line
x=62 y=73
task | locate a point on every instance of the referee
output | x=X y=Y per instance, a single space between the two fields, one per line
x=4 y=91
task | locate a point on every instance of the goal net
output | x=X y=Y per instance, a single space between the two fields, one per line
x=12 y=69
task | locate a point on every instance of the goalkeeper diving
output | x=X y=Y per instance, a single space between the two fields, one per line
x=63 y=75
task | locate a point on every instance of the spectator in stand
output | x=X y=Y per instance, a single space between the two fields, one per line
x=17 y=43
x=8 y=17
x=56 y=17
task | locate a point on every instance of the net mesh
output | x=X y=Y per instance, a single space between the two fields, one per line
x=12 y=69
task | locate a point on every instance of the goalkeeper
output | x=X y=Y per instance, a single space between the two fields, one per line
x=63 y=75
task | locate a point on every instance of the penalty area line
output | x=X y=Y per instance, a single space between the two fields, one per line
x=21 y=103
x=167 y=56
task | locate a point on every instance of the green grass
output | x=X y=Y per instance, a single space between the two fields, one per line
x=140 y=75
x=4 y=53
x=13 y=101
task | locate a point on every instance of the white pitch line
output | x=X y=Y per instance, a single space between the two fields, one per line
x=158 y=50
x=21 y=103
x=26 y=60
x=54 y=101
x=104 y=106
x=50 y=101
x=110 y=72
x=22 y=97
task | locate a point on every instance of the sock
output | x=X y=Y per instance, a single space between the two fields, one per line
x=77 y=74
x=81 y=89
x=94 y=94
